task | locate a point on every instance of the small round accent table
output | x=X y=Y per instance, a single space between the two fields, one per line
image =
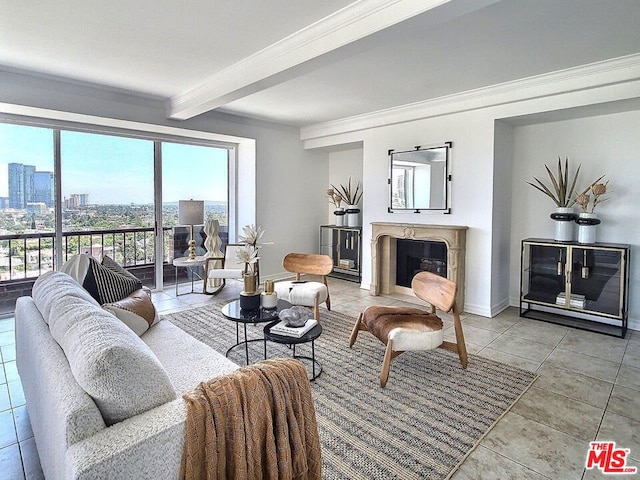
x=310 y=336
x=190 y=264
x=233 y=312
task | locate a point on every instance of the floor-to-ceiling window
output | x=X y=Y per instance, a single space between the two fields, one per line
x=193 y=172
x=107 y=186
x=27 y=201
x=65 y=191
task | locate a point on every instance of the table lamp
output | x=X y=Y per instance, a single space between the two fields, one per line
x=191 y=212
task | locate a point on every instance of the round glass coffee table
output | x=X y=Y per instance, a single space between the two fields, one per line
x=233 y=312
x=310 y=336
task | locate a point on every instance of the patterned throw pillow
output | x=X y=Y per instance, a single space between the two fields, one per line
x=115 y=267
x=107 y=286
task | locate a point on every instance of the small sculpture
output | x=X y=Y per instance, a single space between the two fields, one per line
x=295 y=316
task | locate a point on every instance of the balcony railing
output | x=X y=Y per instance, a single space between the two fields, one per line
x=27 y=256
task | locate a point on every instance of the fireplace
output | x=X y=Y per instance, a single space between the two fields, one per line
x=448 y=241
x=415 y=256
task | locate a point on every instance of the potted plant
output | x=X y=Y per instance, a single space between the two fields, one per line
x=587 y=219
x=336 y=199
x=351 y=196
x=562 y=192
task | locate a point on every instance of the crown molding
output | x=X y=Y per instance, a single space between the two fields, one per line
x=608 y=72
x=273 y=64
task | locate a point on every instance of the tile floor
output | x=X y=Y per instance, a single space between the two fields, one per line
x=589 y=388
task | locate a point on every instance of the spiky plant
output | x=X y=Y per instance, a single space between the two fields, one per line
x=349 y=195
x=560 y=191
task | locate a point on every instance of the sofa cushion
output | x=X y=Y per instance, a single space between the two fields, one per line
x=102 y=283
x=107 y=359
x=51 y=285
x=136 y=311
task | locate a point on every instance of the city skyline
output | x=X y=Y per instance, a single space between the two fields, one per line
x=116 y=170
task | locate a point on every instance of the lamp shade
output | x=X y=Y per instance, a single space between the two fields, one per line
x=190 y=212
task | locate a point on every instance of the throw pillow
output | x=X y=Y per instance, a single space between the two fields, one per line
x=115 y=267
x=102 y=283
x=136 y=311
x=107 y=286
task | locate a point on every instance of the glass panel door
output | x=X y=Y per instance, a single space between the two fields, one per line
x=27 y=202
x=192 y=172
x=108 y=203
x=597 y=280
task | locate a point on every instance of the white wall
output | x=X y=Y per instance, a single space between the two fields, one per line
x=472 y=172
x=483 y=183
x=606 y=144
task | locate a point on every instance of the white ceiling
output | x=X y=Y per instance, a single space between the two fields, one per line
x=300 y=63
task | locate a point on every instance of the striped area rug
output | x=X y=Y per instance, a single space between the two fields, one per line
x=429 y=417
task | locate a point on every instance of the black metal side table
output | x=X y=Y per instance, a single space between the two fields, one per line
x=310 y=336
x=233 y=312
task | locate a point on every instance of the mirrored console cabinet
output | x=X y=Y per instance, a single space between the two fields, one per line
x=344 y=246
x=578 y=285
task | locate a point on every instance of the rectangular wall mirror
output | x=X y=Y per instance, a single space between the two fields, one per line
x=419 y=179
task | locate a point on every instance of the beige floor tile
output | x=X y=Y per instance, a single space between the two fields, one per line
x=629 y=377
x=496 y=324
x=474 y=335
x=540 y=332
x=8 y=352
x=632 y=355
x=509 y=359
x=16 y=394
x=11 y=463
x=23 y=424
x=538 y=447
x=30 y=460
x=574 y=385
x=7 y=324
x=7 y=429
x=7 y=338
x=595 y=345
x=622 y=430
x=584 y=364
x=488 y=465
x=523 y=348
x=625 y=401
x=171 y=304
x=11 y=371
x=5 y=401
x=562 y=413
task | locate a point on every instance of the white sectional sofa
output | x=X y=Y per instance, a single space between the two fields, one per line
x=105 y=403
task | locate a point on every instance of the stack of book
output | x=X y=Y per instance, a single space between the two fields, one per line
x=575 y=300
x=283 y=329
x=345 y=263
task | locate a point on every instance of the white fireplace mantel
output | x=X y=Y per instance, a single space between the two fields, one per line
x=383 y=252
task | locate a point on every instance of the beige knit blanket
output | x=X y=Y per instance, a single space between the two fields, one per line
x=258 y=422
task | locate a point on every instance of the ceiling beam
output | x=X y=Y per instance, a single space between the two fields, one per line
x=282 y=60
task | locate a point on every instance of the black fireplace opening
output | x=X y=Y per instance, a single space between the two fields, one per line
x=415 y=256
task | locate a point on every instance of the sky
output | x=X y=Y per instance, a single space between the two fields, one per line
x=116 y=170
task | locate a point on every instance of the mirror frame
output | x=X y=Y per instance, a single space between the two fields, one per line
x=393 y=155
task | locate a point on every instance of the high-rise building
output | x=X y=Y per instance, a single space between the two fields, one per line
x=28 y=186
x=16 y=186
x=43 y=188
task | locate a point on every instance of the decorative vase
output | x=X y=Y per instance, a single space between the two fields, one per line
x=249 y=296
x=250 y=283
x=269 y=296
x=213 y=244
x=564 y=226
x=587 y=223
x=339 y=216
x=353 y=215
